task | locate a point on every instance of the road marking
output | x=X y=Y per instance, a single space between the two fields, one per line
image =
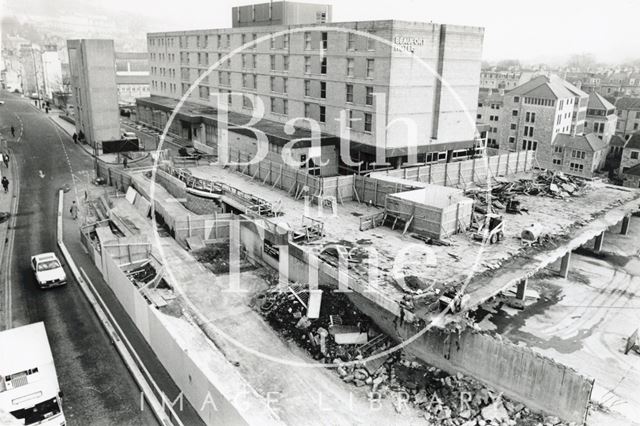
x=10 y=238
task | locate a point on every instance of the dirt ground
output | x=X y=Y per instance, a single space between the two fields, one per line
x=584 y=321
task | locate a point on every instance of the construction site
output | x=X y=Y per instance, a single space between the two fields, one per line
x=242 y=264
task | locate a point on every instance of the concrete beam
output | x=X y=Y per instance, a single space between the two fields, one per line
x=564 y=265
x=626 y=221
x=597 y=246
x=521 y=288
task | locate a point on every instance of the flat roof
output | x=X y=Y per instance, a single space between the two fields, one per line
x=197 y=113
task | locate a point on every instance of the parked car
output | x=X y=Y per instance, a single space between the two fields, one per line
x=48 y=270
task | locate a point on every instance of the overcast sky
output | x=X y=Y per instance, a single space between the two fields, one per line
x=528 y=30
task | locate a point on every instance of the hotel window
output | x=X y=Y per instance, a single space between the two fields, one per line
x=285 y=41
x=205 y=41
x=244 y=61
x=273 y=84
x=254 y=37
x=272 y=58
x=272 y=42
x=323 y=90
x=285 y=84
x=285 y=63
x=512 y=139
x=323 y=65
x=370 y=68
x=351 y=41
x=516 y=99
x=325 y=39
x=228 y=41
x=244 y=39
x=307 y=110
x=285 y=106
x=204 y=92
x=369 y=95
x=367 y=122
x=557 y=161
x=349 y=93
x=219 y=41
x=350 y=65
x=634 y=155
x=307 y=64
x=307 y=87
x=273 y=104
x=323 y=113
x=254 y=61
x=307 y=40
x=514 y=113
x=371 y=43
x=245 y=80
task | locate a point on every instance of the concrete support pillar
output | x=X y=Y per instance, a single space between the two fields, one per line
x=597 y=246
x=521 y=288
x=564 y=265
x=626 y=221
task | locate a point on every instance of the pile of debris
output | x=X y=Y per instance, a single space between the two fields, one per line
x=545 y=184
x=348 y=339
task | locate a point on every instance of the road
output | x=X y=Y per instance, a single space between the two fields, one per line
x=97 y=387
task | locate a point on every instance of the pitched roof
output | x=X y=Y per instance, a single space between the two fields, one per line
x=634 y=141
x=617 y=141
x=590 y=142
x=552 y=87
x=628 y=103
x=597 y=101
x=635 y=170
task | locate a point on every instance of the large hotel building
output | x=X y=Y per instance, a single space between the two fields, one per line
x=307 y=66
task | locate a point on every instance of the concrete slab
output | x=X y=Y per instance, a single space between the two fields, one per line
x=465 y=259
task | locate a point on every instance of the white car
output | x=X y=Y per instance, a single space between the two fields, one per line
x=48 y=270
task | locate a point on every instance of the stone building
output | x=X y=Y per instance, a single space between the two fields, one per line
x=601 y=117
x=628 y=116
x=536 y=112
x=578 y=155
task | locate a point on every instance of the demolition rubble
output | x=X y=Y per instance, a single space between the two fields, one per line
x=348 y=339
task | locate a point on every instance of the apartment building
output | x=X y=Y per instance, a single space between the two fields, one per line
x=51 y=71
x=316 y=71
x=536 y=112
x=630 y=153
x=628 y=116
x=601 y=117
x=490 y=105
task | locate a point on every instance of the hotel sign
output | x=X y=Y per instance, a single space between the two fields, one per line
x=407 y=44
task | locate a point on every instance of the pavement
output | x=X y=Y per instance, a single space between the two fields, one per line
x=98 y=389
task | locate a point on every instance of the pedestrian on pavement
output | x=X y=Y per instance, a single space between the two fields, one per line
x=13 y=132
x=124 y=162
x=5 y=183
x=74 y=210
x=75 y=138
x=5 y=158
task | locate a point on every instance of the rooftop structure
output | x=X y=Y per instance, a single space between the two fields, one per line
x=280 y=13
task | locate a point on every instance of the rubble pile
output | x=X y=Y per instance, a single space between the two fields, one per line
x=545 y=184
x=347 y=338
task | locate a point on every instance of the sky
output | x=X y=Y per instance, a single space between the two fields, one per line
x=529 y=31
